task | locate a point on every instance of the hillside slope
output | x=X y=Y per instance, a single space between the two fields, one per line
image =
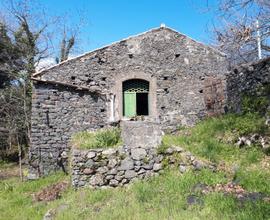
x=239 y=189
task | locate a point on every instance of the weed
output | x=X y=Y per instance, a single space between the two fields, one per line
x=103 y=138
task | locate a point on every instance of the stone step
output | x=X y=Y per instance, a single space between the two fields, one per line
x=143 y=134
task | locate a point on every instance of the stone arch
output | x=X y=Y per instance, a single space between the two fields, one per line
x=118 y=91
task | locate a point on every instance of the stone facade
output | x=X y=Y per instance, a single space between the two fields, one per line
x=187 y=82
x=175 y=66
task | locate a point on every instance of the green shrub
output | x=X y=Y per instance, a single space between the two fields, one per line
x=100 y=139
x=258 y=102
x=251 y=104
x=108 y=137
x=161 y=149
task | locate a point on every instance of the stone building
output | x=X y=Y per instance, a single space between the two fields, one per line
x=161 y=74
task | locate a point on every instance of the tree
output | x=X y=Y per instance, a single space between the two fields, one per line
x=238 y=32
x=25 y=39
x=66 y=45
x=10 y=59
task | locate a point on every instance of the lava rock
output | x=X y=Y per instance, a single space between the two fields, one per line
x=126 y=164
x=138 y=153
x=129 y=174
x=157 y=166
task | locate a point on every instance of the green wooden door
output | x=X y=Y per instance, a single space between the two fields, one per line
x=129 y=104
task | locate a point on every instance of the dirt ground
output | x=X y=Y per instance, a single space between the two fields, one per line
x=10 y=170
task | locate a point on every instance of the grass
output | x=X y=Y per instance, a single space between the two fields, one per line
x=214 y=138
x=165 y=196
x=162 y=197
x=16 y=198
x=103 y=138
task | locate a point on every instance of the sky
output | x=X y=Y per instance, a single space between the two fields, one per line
x=107 y=21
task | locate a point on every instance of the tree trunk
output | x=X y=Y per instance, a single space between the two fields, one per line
x=20 y=157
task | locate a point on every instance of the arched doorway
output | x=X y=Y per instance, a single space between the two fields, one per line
x=135 y=97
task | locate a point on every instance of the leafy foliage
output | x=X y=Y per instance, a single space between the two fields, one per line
x=25 y=39
x=11 y=58
x=257 y=103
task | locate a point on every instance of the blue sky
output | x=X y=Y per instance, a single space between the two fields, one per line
x=112 y=20
x=107 y=21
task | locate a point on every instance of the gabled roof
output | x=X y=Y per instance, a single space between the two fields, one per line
x=39 y=73
x=95 y=90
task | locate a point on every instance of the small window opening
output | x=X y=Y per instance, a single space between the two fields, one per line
x=130 y=56
x=103 y=78
x=201 y=91
x=47 y=118
x=73 y=77
x=177 y=55
x=101 y=61
x=165 y=78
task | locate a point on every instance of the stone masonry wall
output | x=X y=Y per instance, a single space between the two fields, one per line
x=57 y=113
x=175 y=65
x=245 y=79
x=120 y=166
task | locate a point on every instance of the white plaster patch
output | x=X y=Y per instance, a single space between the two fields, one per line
x=186 y=60
x=134 y=46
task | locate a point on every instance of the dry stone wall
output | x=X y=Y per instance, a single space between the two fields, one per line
x=139 y=158
x=246 y=79
x=119 y=166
